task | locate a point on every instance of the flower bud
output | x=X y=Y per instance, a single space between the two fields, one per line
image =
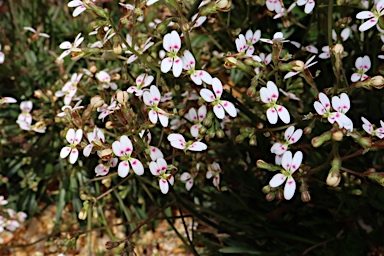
x=377 y=82
x=266 y=189
x=305 y=197
x=252 y=140
x=117 y=49
x=93 y=69
x=208 y=119
x=109 y=125
x=105 y=154
x=279 y=195
x=110 y=245
x=298 y=65
x=220 y=134
x=223 y=5
x=270 y=197
x=202 y=130
x=211 y=134
x=240 y=138
x=230 y=62
x=365 y=142
x=122 y=96
x=319 y=140
x=338 y=49
x=83 y=213
x=97 y=101
x=337 y=135
x=334 y=177
x=264 y=165
x=251 y=91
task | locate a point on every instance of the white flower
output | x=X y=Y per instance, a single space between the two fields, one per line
x=74 y=139
x=172 y=44
x=369 y=128
x=178 y=141
x=277 y=37
x=309 y=5
x=188 y=179
x=274 y=5
x=244 y=44
x=326 y=54
x=372 y=16
x=77 y=106
x=36 y=33
x=269 y=95
x=218 y=104
x=2 y=56
x=7 y=100
x=362 y=64
x=79 y=7
x=143 y=80
x=105 y=79
x=152 y=99
x=214 y=171
x=138 y=49
x=96 y=135
x=159 y=169
x=69 y=47
x=123 y=149
x=150 y=2
x=284 y=11
x=341 y=105
x=26 y=107
x=290 y=137
x=290 y=165
x=196 y=118
x=197 y=76
x=307 y=64
x=312 y=49
x=108 y=109
x=344 y=35
x=69 y=89
x=103 y=169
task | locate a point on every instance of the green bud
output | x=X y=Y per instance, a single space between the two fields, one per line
x=240 y=138
x=319 y=140
x=252 y=140
x=264 y=165
x=266 y=189
x=208 y=119
x=334 y=177
x=220 y=134
x=365 y=142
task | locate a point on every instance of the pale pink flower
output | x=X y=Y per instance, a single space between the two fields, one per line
x=307 y=65
x=71 y=47
x=103 y=169
x=344 y=35
x=37 y=33
x=290 y=137
x=105 y=79
x=214 y=171
x=26 y=107
x=274 y=5
x=372 y=130
x=69 y=89
x=373 y=16
x=196 y=118
x=138 y=49
x=277 y=37
x=7 y=100
x=108 y=109
x=143 y=80
x=188 y=179
x=79 y=7
x=326 y=54
x=96 y=135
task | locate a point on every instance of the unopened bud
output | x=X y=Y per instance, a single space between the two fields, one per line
x=220 y=134
x=334 y=177
x=109 y=125
x=122 y=96
x=93 y=69
x=319 y=140
x=105 y=154
x=298 y=65
x=110 y=245
x=266 y=189
x=264 y=165
x=337 y=135
x=202 y=130
x=117 y=49
x=251 y=91
x=230 y=62
x=240 y=138
x=305 y=196
x=279 y=195
x=208 y=119
x=7 y=48
x=270 y=196
x=83 y=212
x=365 y=142
x=223 y=5
x=377 y=82
x=97 y=101
x=211 y=134
x=253 y=140
x=338 y=49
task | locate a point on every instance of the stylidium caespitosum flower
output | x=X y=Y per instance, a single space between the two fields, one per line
x=172 y=44
x=123 y=149
x=152 y=99
x=178 y=141
x=74 y=138
x=269 y=95
x=159 y=168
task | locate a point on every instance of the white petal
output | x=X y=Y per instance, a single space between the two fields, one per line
x=167 y=43
x=205 y=76
x=296 y=161
x=324 y=101
x=123 y=169
x=277 y=180
x=164 y=186
x=288 y=133
x=368 y=24
x=202 y=112
x=364 y=15
x=272 y=88
x=126 y=144
x=189 y=184
x=176 y=137
x=87 y=150
x=148 y=98
x=272 y=115
x=185 y=176
x=289 y=188
x=345 y=102
x=152 y=115
x=296 y=136
x=217 y=87
x=155 y=94
x=163 y=119
x=287 y=160
x=195 y=130
x=192 y=115
x=229 y=108
x=65 y=152
x=336 y=103
x=78 y=10
x=73 y=156
x=345 y=34
x=366 y=63
x=290 y=74
x=117 y=148
x=176 y=41
x=283 y=114
x=207 y=95
x=177 y=66
x=197 y=146
x=265 y=95
x=137 y=166
x=155 y=153
x=78 y=136
x=70 y=135
x=309 y=6
x=166 y=65
x=65 y=45
x=219 y=111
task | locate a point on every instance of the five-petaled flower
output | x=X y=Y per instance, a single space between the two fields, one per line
x=373 y=16
x=178 y=141
x=290 y=165
x=123 y=149
x=362 y=64
x=218 y=104
x=269 y=95
x=159 y=169
x=74 y=139
x=172 y=44
x=152 y=99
